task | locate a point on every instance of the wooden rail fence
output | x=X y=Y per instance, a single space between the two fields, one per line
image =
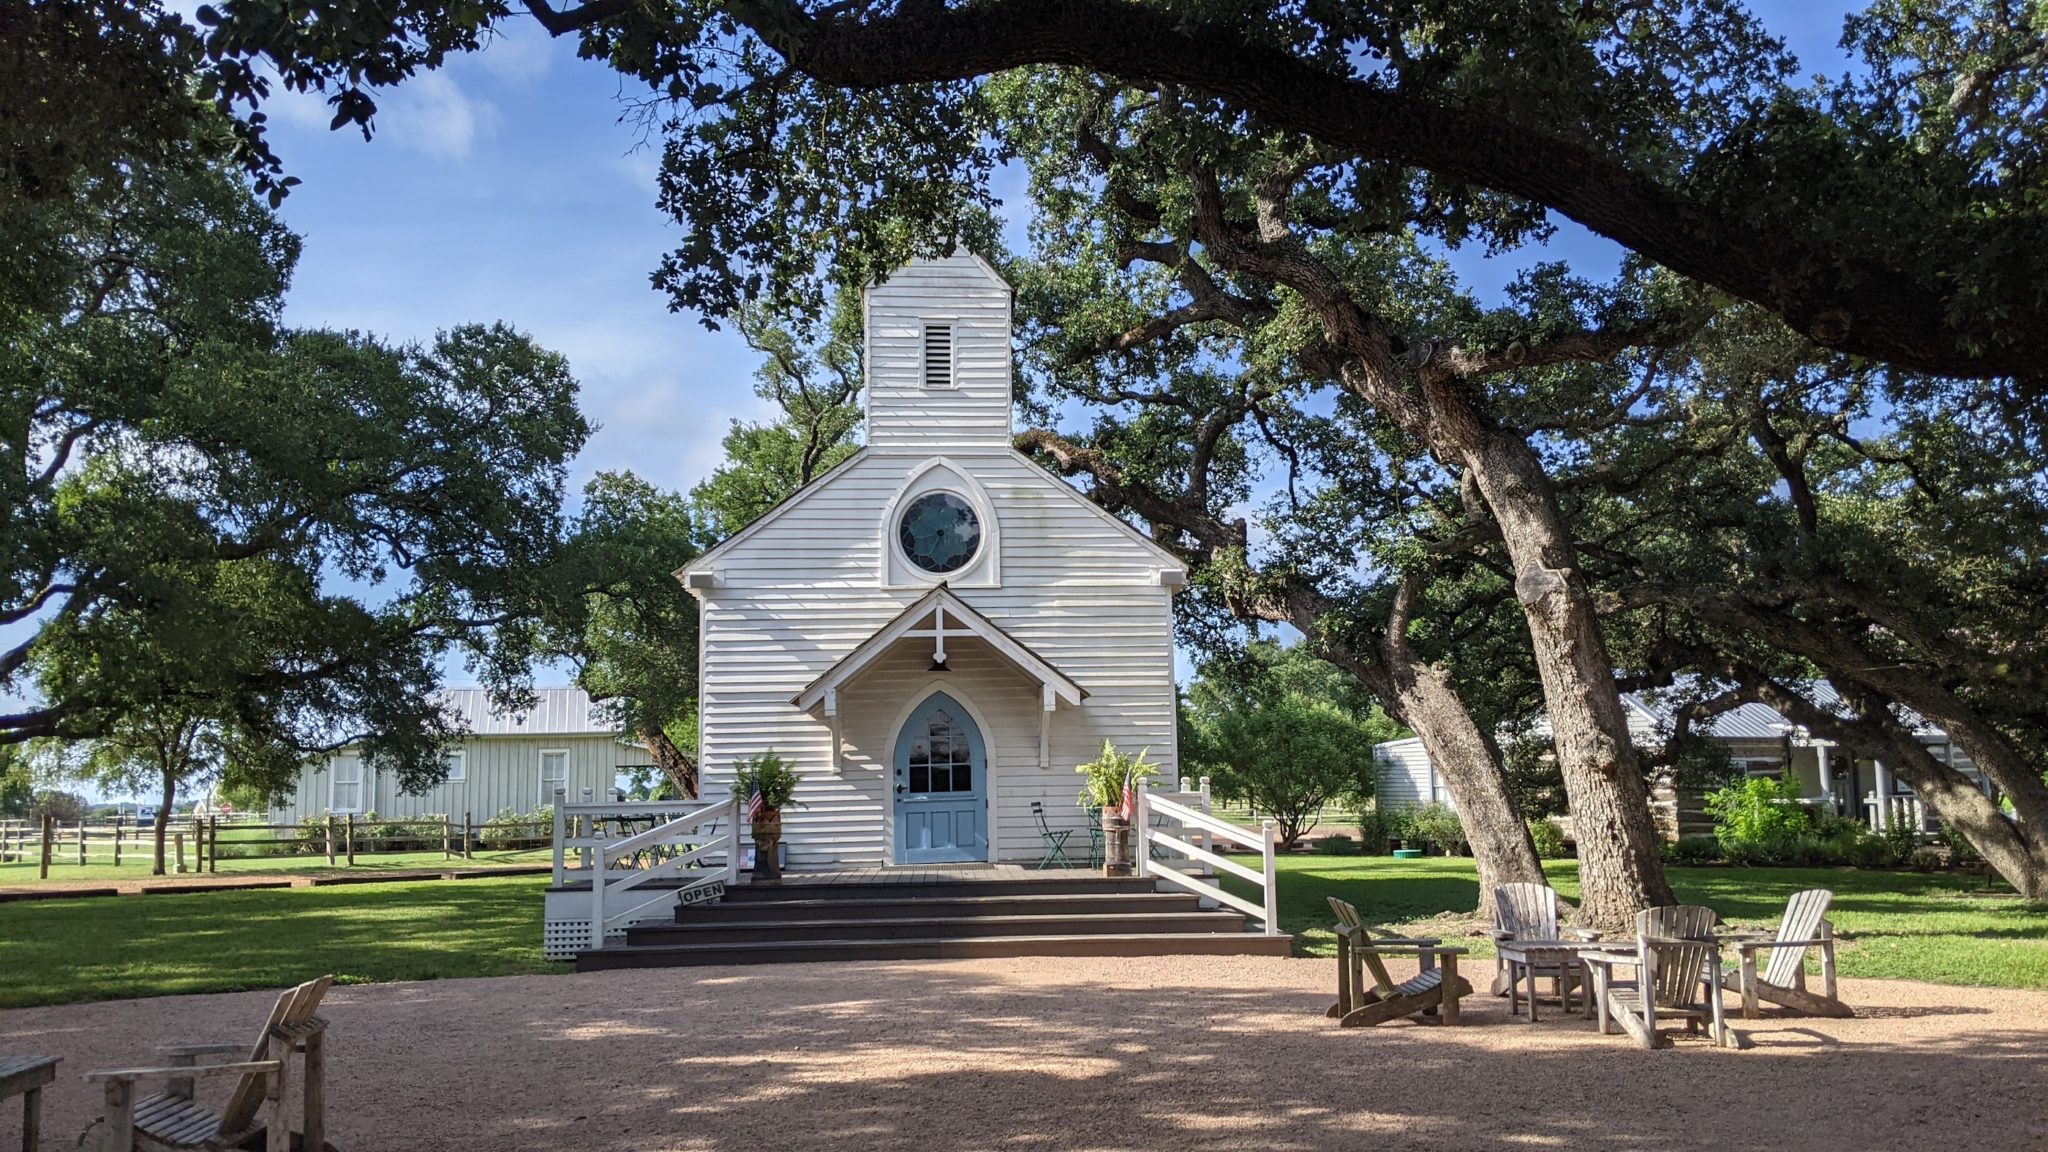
x=338 y=839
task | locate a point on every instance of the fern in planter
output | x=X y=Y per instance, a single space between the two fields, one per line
x=1110 y=773
x=772 y=775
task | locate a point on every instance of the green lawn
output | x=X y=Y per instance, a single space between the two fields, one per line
x=136 y=860
x=1893 y=924
x=59 y=951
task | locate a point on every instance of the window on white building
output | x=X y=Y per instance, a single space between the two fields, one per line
x=345 y=785
x=554 y=774
x=457 y=770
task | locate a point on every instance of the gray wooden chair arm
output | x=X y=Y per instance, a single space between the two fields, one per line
x=1381 y=948
x=1410 y=941
x=1580 y=933
x=240 y=1068
x=227 y=1049
x=1753 y=945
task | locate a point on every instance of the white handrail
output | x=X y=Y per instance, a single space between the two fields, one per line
x=1267 y=912
x=693 y=826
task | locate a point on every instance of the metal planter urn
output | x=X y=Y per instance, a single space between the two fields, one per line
x=1116 y=844
x=767 y=841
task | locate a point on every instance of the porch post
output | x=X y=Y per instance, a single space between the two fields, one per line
x=1884 y=796
x=1045 y=726
x=1827 y=779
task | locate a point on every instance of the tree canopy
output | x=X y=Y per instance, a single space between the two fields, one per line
x=211 y=514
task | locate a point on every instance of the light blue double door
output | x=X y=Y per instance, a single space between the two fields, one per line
x=941 y=785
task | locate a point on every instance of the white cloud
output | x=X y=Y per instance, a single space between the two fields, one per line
x=431 y=114
x=518 y=57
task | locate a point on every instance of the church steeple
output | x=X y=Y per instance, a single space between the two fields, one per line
x=938 y=357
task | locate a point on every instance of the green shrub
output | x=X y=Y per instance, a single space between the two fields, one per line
x=1438 y=824
x=1867 y=850
x=1337 y=844
x=1694 y=849
x=1924 y=860
x=1549 y=840
x=1901 y=838
x=1377 y=830
x=1759 y=821
x=510 y=829
x=311 y=837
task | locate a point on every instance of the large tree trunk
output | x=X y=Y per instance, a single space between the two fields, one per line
x=1421 y=695
x=163 y=819
x=1620 y=869
x=674 y=763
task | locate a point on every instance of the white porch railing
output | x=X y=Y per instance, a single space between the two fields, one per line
x=1194 y=839
x=681 y=844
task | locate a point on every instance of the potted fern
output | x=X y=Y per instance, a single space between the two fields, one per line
x=765 y=784
x=1111 y=783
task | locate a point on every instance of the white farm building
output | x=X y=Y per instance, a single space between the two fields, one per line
x=505 y=760
x=938 y=630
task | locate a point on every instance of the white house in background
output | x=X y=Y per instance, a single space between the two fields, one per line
x=508 y=760
x=1759 y=740
x=938 y=630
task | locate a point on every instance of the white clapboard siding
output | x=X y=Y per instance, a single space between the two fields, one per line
x=795 y=592
x=499 y=772
x=1404 y=776
x=904 y=414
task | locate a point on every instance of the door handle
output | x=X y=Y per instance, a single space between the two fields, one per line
x=901 y=789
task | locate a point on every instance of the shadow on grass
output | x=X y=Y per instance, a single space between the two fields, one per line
x=128 y=946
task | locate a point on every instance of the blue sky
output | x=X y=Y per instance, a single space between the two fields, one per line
x=506 y=187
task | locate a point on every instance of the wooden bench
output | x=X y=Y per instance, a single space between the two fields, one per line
x=26 y=1077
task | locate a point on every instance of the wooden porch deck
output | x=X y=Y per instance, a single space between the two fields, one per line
x=917 y=875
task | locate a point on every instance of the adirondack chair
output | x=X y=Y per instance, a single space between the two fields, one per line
x=1678 y=974
x=1360 y=1006
x=1783 y=980
x=173 y=1121
x=1526 y=911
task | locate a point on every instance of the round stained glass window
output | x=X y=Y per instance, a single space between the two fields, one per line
x=939 y=532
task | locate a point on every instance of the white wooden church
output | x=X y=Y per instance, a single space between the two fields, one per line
x=938 y=630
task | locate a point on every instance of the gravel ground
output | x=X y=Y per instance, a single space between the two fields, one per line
x=1183 y=1052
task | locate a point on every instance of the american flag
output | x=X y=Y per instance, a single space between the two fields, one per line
x=1130 y=804
x=754 y=805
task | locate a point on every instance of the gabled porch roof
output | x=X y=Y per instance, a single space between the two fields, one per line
x=936 y=615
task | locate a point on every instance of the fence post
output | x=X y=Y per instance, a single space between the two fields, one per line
x=178 y=838
x=213 y=844
x=330 y=839
x=49 y=829
x=1272 y=880
x=446 y=837
x=468 y=837
x=348 y=833
x=117 y=841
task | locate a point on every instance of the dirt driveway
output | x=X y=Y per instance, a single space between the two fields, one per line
x=1179 y=1053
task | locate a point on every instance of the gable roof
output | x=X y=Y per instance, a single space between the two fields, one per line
x=762 y=521
x=1169 y=560
x=970 y=623
x=556 y=712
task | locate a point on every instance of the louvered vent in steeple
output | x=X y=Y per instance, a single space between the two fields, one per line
x=938 y=355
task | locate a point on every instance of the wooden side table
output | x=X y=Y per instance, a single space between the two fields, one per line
x=26 y=1077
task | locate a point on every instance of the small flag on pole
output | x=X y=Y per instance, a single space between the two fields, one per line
x=754 y=805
